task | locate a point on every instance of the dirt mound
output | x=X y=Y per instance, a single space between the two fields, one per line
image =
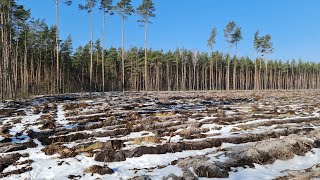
x=254 y=137
x=143 y=177
x=17 y=171
x=305 y=174
x=47 y=121
x=44 y=108
x=10 y=159
x=193 y=133
x=175 y=177
x=21 y=170
x=267 y=151
x=63 y=151
x=110 y=155
x=95 y=169
x=66 y=138
x=11 y=147
x=73 y=106
x=201 y=167
x=111 y=145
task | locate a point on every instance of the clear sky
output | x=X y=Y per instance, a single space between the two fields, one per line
x=293 y=24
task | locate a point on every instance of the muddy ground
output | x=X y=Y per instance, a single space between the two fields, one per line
x=162 y=135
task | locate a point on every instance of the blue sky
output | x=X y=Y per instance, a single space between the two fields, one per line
x=293 y=24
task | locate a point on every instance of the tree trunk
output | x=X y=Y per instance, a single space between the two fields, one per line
x=177 y=74
x=25 y=67
x=211 y=70
x=168 y=77
x=122 y=53
x=235 y=69
x=102 y=56
x=228 y=69
x=266 y=74
x=145 y=56
x=91 y=52
x=256 y=87
x=57 y=45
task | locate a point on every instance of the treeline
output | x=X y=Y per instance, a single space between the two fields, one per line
x=32 y=63
x=187 y=70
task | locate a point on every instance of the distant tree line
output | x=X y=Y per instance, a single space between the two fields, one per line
x=35 y=61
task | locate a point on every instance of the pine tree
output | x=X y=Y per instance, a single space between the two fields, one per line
x=236 y=38
x=266 y=48
x=107 y=8
x=211 y=42
x=67 y=2
x=124 y=9
x=146 y=11
x=257 y=47
x=88 y=6
x=228 y=31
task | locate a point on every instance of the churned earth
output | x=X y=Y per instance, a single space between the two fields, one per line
x=162 y=135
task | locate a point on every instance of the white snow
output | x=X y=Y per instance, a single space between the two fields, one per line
x=61 y=119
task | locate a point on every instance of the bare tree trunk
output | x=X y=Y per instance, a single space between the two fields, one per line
x=247 y=76
x=228 y=69
x=25 y=67
x=266 y=74
x=221 y=75
x=198 y=78
x=194 y=76
x=190 y=76
x=182 y=72
x=2 y=63
x=2 y=58
x=256 y=87
x=102 y=61
x=96 y=69
x=9 y=55
x=57 y=45
x=145 y=56
x=91 y=51
x=122 y=53
x=216 y=82
x=177 y=74
x=211 y=70
x=168 y=76
x=16 y=70
x=235 y=69
x=260 y=68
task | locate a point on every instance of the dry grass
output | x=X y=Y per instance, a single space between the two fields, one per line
x=95 y=146
x=72 y=106
x=192 y=131
x=112 y=118
x=5 y=135
x=165 y=114
x=147 y=139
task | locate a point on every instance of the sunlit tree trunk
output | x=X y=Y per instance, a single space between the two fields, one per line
x=145 y=56
x=122 y=54
x=266 y=74
x=228 y=69
x=102 y=56
x=57 y=45
x=91 y=51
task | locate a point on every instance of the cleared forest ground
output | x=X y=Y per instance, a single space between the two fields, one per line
x=162 y=135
